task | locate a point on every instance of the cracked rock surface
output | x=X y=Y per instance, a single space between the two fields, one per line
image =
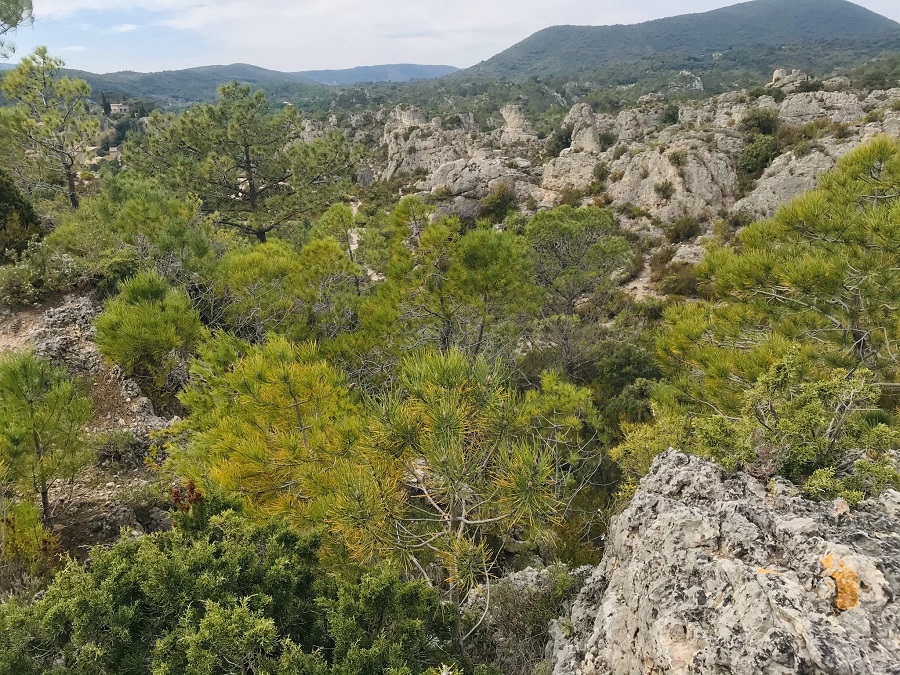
x=711 y=573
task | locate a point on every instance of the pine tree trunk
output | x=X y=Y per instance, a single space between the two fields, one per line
x=45 y=505
x=73 y=194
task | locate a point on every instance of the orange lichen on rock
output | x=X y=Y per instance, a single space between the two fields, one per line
x=846 y=579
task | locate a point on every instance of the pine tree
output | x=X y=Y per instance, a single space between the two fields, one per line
x=247 y=164
x=42 y=418
x=50 y=117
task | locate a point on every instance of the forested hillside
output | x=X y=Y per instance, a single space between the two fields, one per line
x=374 y=391
x=569 y=51
x=193 y=85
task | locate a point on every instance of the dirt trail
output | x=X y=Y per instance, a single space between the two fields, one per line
x=18 y=326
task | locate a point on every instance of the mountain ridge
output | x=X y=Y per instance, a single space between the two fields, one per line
x=571 y=50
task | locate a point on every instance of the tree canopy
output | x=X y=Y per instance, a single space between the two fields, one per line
x=253 y=166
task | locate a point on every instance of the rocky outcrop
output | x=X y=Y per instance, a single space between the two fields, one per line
x=787 y=177
x=669 y=170
x=585 y=136
x=686 y=178
x=476 y=177
x=790 y=82
x=516 y=128
x=571 y=170
x=637 y=123
x=834 y=106
x=416 y=144
x=710 y=573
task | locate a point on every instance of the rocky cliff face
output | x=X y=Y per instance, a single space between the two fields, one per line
x=669 y=169
x=709 y=573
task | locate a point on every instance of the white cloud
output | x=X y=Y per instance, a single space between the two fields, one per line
x=123 y=28
x=311 y=34
x=64 y=9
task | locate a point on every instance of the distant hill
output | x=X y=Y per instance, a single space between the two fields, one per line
x=563 y=51
x=201 y=84
x=398 y=72
x=182 y=86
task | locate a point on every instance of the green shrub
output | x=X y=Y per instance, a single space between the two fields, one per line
x=571 y=197
x=678 y=157
x=607 y=140
x=149 y=329
x=497 y=205
x=679 y=279
x=560 y=140
x=758 y=155
x=760 y=121
x=683 y=229
x=803 y=148
x=35 y=275
x=758 y=92
x=19 y=223
x=671 y=114
x=811 y=84
x=665 y=189
x=601 y=172
x=874 y=116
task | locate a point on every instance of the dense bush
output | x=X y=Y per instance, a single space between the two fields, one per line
x=40 y=271
x=671 y=113
x=19 y=223
x=497 y=205
x=683 y=229
x=237 y=595
x=559 y=141
x=149 y=330
x=760 y=121
x=758 y=154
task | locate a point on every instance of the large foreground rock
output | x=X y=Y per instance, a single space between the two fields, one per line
x=707 y=573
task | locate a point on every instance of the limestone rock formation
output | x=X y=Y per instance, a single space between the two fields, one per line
x=790 y=82
x=710 y=573
x=787 y=177
x=686 y=178
x=834 y=106
x=570 y=170
x=667 y=170
x=516 y=128
x=475 y=177
x=414 y=143
x=585 y=137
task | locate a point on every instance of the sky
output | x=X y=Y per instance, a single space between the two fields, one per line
x=290 y=35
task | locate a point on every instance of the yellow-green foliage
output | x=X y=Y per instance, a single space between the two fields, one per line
x=269 y=422
x=148 y=330
x=452 y=454
x=818 y=274
x=272 y=288
x=789 y=424
x=130 y=224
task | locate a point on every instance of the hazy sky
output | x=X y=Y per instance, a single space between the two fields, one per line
x=149 y=35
